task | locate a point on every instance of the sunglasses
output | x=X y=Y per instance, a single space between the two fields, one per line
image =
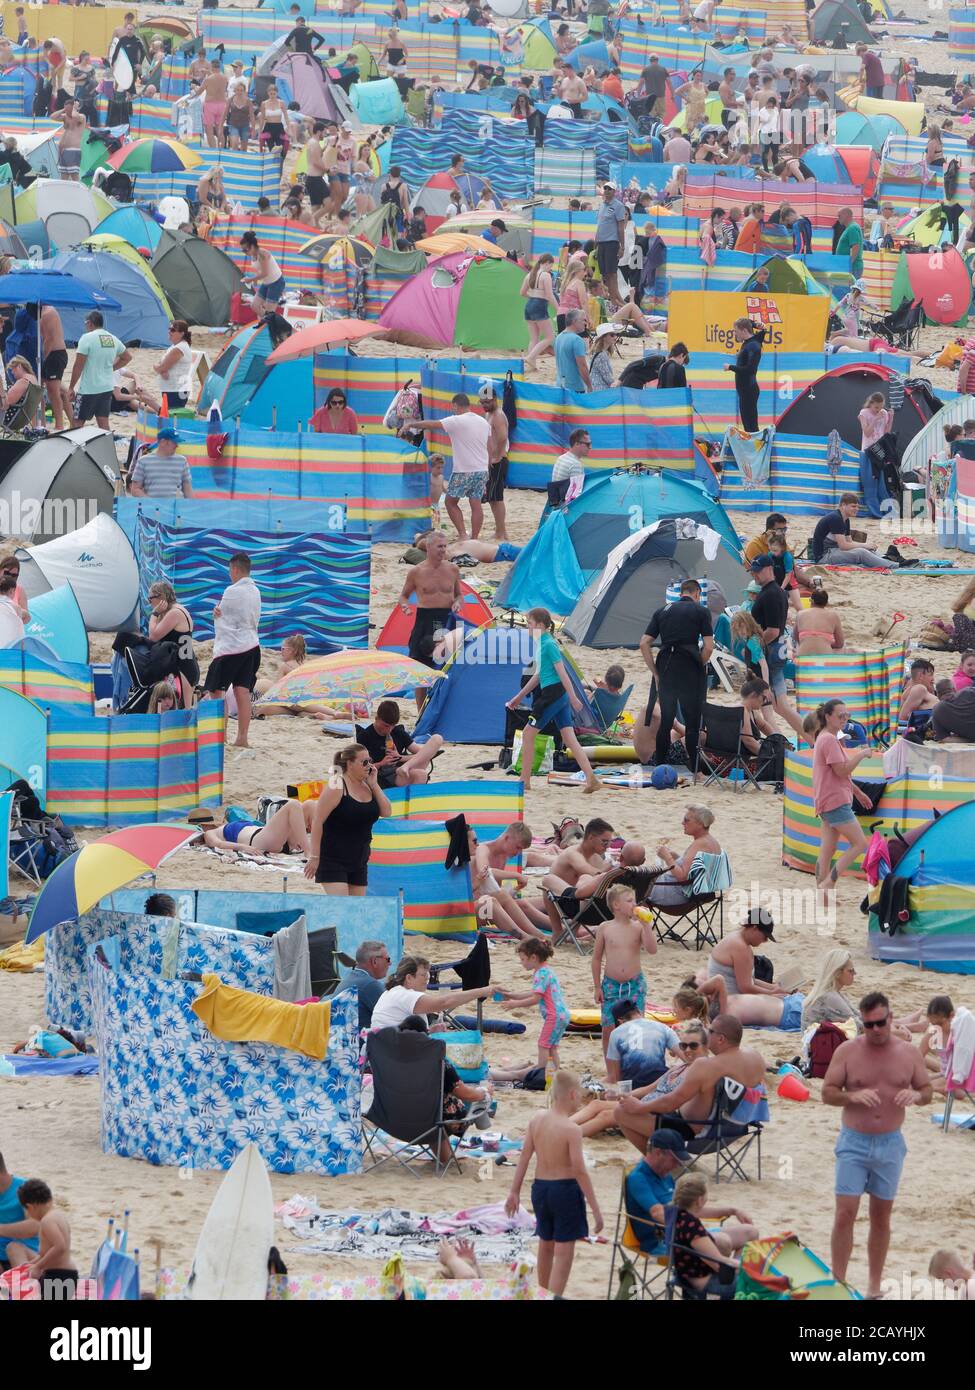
x=690 y=1046
x=337 y=400
x=876 y=1022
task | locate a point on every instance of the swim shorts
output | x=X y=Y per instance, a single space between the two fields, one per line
x=469 y=485
x=869 y=1163
x=791 y=1020
x=55 y=365
x=615 y=990
x=507 y=551
x=560 y=1210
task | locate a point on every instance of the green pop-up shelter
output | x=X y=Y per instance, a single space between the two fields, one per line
x=460 y=300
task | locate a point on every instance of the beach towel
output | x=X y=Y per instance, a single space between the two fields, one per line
x=499 y=1238
x=292 y=963
x=751 y=452
x=239 y=1016
x=82 y=1064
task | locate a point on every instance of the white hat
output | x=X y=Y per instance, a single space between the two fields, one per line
x=605 y=328
x=346 y=125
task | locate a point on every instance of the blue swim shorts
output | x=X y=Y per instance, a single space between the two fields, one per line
x=560 y=1210
x=791 y=1020
x=615 y=990
x=869 y=1163
x=507 y=550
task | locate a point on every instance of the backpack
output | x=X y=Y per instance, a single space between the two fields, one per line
x=763 y=969
x=823 y=1043
x=770 y=760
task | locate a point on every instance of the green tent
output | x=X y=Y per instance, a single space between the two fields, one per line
x=786 y=276
x=461 y=300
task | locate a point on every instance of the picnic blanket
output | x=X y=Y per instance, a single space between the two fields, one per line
x=24 y=1065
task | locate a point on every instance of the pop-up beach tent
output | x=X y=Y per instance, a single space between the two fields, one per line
x=318 y=97
x=434 y=196
x=144 y=318
x=835 y=400
x=613 y=610
x=99 y=564
x=47 y=487
x=246 y=388
x=838 y=19
x=940 y=283
x=463 y=301
x=571 y=546
x=70 y=211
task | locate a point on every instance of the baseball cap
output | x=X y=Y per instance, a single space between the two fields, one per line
x=672 y=1143
x=622 y=1008
x=168 y=433
x=346 y=125
x=501 y=226
x=487 y=392
x=238 y=64
x=760 y=562
x=761 y=918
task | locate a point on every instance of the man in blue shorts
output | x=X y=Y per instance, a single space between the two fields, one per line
x=874 y=1077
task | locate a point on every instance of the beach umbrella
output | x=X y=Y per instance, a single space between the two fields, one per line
x=354 y=248
x=319 y=335
x=151 y=155
x=347 y=676
x=99 y=868
x=444 y=243
x=55 y=287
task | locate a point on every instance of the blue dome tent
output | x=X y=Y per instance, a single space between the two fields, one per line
x=144 y=317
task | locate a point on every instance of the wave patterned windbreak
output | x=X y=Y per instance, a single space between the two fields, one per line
x=315 y=584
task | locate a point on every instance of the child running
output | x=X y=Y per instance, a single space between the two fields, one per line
x=553 y=705
x=561 y=1187
x=546 y=992
x=617 y=949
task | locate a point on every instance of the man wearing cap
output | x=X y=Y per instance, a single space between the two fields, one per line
x=649 y=1189
x=771 y=612
x=610 y=226
x=161 y=472
x=493 y=232
x=237 y=79
x=497 y=458
x=731 y=978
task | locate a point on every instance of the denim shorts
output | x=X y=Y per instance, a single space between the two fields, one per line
x=776 y=680
x=840 y=815
x=536 y=309
x=869 y=1163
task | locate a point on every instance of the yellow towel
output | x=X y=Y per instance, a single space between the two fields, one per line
x=236 y=1015
x=21 y=957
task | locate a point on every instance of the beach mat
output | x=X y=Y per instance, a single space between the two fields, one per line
x=82 y=1065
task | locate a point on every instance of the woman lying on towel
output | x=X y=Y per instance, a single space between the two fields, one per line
x=293 y=655
x=287 y=830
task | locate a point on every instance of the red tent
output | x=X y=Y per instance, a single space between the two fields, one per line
x=395 y=635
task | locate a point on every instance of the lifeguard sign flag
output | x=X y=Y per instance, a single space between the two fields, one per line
x=705 y=321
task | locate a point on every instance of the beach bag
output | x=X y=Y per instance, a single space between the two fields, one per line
x=770 y=761
x=823 y=1043
x=405 y=407
x=763 y=969
x=544 y=753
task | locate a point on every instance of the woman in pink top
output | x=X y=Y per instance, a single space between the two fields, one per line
x=875 y=421
x=834 y=792
x=335 y=417
x=964 y=676
x=573 y=293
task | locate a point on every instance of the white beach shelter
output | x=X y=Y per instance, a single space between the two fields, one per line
x=99 y=564
x=57 y=484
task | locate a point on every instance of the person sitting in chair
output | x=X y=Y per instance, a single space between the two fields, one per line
x=459 y=1098
x=577 y=871
x=11 y=400
x=400 y=761
x=673 y=888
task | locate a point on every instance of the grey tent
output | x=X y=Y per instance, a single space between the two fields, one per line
x=615 y=607
x=196 y=277
x=838 y=19
x=316 y=94
x=57 y=484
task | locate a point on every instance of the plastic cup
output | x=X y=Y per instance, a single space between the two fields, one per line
x=790 y=1088
x=623 y=1088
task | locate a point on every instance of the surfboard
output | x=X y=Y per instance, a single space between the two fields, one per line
x=231 y=1254
x=122 y=71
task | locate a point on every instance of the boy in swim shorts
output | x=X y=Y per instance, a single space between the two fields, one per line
x=617 y=951
x=562 y=1185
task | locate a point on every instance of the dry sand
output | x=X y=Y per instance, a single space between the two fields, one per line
x=51 y=1128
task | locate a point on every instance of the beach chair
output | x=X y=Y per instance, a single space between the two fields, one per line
x=740 y=1115
x=952 y=1093
x=703 y=911
x=720 y=752
x=407 y=1102
x=25 y=413
x=727 y=668
x=609 y=707
x=595 y=909
x=641 y=1275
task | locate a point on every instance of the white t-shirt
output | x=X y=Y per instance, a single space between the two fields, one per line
x=567 y=465
x=178 y=377
x=11 y=624
x=395 y=1005
x=240 y=614
x=469 y=435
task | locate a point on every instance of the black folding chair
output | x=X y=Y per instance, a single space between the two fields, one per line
x=474 y=972
x=407 y=1104
x=720 y=751
x=730 y=1140
x=702 y=913
x=594 y=910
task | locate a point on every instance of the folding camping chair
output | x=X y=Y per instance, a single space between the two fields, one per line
x=720 y=751
x=407 y=1102
x=592 y=911
x=24 y=413
x=609 y=707
x=710 y=876
x=731 y=1139
x=953 y=1092
x=644 y=1272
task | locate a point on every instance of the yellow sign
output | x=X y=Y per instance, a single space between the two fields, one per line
x=705 y=322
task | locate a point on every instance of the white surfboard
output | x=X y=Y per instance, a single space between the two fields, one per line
x=231 y=1253
x=122 y=70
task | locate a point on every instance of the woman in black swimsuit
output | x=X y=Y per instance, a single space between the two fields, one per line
x=345 y=813
x=169 y=621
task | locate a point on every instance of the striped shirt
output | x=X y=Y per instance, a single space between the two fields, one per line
x=161 y=477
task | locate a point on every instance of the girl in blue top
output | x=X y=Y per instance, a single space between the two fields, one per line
x=553 y=705
x=546 y=992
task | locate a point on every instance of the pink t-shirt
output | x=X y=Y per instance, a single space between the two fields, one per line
x=959 y=680
x=873 y=426
x=830 y=790
x=469 y=435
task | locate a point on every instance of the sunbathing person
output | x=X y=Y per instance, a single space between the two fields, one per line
x=490 y=870
x=484 y=552
x=585 y=860
x=730 y=978
x=287 y=829
x=691 y=1106
x=294 y=654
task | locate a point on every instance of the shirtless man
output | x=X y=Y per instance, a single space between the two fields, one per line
x=199 y=68
x=692 y=1104
x=215 y=87
x=316 y=185
x=69 y=141
x=491 y=865
x=54 y=363
x=562 y=1185
x=52 y=1266
x=436 y=583
x=573 y=92
x=920 y=692
x=874 y=1077
x=577 y=870
x=490 y=552
x=497 y=459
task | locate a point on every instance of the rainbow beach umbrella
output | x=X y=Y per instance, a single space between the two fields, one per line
x=98 y=868
x=151 y=155
x=349 y=675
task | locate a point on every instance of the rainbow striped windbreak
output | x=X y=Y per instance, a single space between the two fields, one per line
x=408 y=856
x=489 y=806
x=868 y=682
x=51 y=684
